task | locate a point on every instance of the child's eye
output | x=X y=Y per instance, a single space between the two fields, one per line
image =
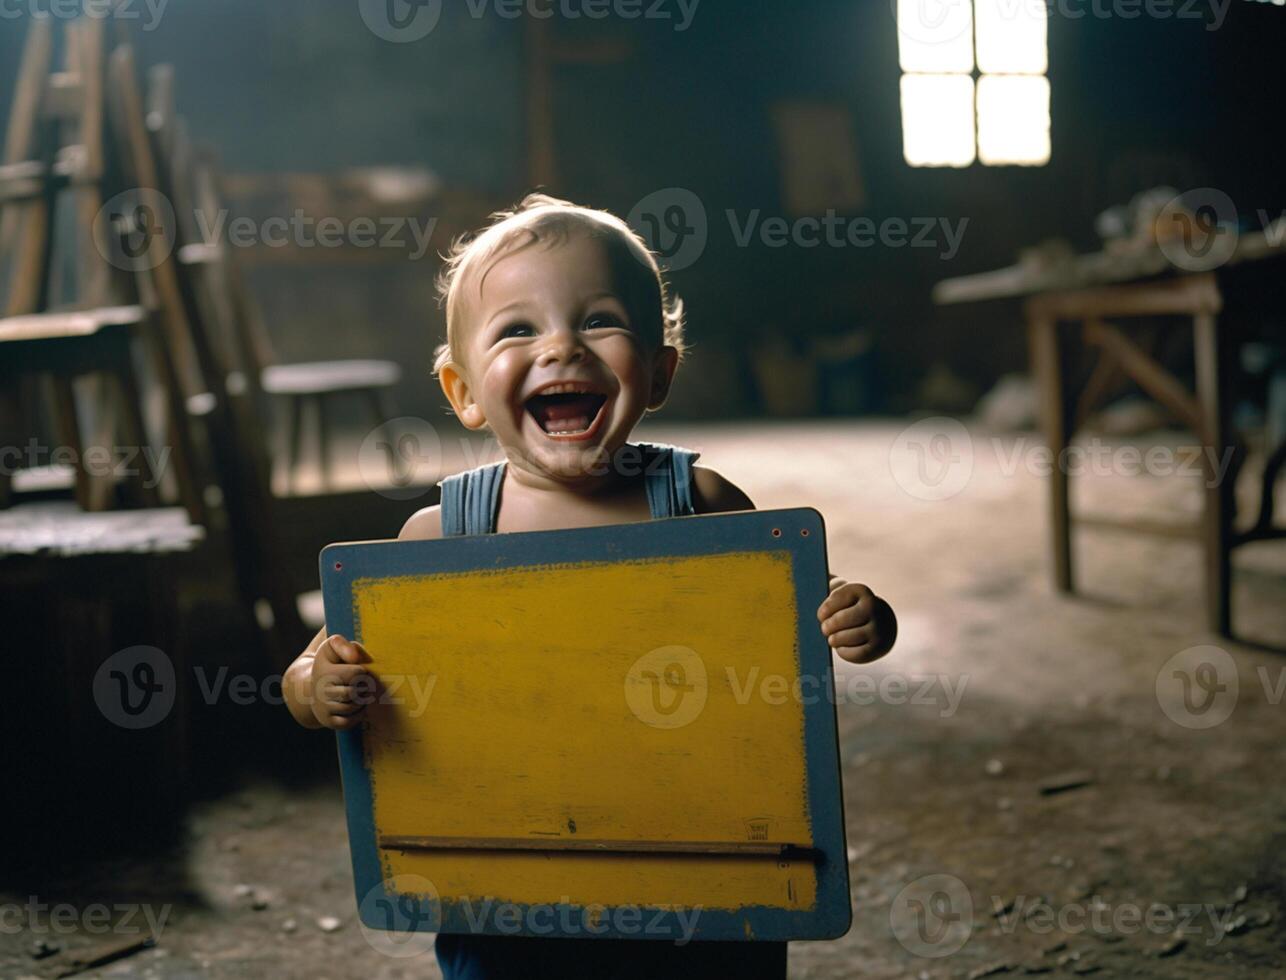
x=603 y=321
x=517 y=330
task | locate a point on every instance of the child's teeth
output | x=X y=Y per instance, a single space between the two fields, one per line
x=578 y=424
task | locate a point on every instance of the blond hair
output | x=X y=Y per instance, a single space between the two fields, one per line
x=540 y=219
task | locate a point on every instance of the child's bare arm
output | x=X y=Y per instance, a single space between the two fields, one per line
x=296 y=684
x=858 y=624
x=328 y=685
x=716 y=495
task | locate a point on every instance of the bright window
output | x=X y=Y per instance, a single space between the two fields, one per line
x=974 y=83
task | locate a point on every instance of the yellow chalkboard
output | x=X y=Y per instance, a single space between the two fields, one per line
x=634 y=717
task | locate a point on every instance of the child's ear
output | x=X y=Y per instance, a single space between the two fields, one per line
x=664 y=365
x=456 y=387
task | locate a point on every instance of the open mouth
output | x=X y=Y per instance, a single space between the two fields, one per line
x=567 y=410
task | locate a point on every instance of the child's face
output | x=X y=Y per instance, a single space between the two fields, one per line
x=552 y=363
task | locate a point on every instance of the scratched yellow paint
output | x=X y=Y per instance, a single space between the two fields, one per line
x=570 y=700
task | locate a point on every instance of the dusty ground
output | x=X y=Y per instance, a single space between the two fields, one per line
x=1170 y=863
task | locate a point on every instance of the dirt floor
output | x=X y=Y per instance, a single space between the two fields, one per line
x=1027 y=790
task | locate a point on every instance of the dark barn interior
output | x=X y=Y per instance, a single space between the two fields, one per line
x=1037 y=391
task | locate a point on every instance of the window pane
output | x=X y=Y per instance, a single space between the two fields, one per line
x=1011 y=36
x=937 y=120
x=1013 y=119
x=935 y=35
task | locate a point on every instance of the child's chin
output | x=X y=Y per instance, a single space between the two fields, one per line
x=570 y=461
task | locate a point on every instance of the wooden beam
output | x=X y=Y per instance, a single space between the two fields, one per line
x=1103 y=380
x=1141 y=525
x=1188 y=296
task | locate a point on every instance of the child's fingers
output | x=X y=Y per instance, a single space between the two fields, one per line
x=337 y=649
x=850 y=638
x=342 y=704
x=342 y=673
x=843 y=597
x=862 y=654
x=846 y=618
x=344 y=723
x=362 y=689
x=355 y=653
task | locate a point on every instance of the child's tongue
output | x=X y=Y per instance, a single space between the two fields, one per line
x=559 y=414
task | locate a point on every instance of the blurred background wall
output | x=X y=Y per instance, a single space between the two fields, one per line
x=296 y=87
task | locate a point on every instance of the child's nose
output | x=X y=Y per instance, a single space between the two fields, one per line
x=564 y=346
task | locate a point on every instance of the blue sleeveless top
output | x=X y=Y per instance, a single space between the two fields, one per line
x=471 y=500
x=470 y=505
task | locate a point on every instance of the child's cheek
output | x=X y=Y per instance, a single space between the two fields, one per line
x=627 y=362
x=502 y=380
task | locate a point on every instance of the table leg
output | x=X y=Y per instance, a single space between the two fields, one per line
x=1047 y=369
x=1220 y=502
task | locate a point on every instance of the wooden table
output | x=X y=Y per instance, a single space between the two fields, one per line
x=1089 y=291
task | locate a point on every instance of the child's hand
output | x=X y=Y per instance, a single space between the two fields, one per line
x=342 y=687
x=858 y=624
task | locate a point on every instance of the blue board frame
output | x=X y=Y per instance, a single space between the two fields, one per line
x=799 y=531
